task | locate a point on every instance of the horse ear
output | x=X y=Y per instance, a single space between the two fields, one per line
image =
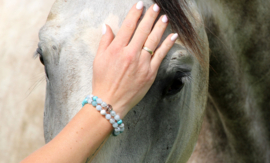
x=175 y=11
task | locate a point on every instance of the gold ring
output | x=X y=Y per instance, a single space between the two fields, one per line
x=148 y=50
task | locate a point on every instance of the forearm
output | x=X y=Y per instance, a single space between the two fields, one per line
x=77 y=141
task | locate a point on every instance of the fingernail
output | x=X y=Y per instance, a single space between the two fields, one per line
x=174 y=37
x=164 y=19
x=139 y=5
x=104 y=29
x=156 y=8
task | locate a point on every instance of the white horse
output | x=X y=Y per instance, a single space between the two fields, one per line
x=236 y=126
x=165 y=125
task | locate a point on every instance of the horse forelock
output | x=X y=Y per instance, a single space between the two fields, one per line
x=177 y=12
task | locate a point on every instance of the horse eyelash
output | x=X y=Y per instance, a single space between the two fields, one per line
x=36 y=54
x=186 y=79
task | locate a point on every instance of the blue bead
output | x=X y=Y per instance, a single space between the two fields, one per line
x=120 y=122
x=84 y=102
x=95 y=98
x=94 y=103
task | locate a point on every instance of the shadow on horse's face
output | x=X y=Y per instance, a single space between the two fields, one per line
x=163 y=126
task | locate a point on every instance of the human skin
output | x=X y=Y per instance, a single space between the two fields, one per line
x=123 y=73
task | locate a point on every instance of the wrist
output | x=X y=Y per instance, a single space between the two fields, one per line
x=107 y=111
x=117 y=105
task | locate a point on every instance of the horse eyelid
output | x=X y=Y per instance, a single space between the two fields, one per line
x=39 y=51
x=184 y=76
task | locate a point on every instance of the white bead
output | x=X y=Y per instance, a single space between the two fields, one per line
x=108 y=116
x=117 y=117
x=91 y=96
x=89 y=100
x=98 y=108
x=115 y=125
x=122 y=125
x=117 y=129
x=99 y=101
x=122 y=129
x=103 y=104
x=116 y=133
x=113 y=113
x=102 y=112
x=112 y=121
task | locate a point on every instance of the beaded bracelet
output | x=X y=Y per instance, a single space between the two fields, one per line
x=108 y=112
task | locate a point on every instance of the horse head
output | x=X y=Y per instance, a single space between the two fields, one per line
x=165 y=125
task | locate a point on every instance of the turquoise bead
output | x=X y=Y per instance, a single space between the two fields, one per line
x=116 y=133
x=84 y=102
x=120 y=122
x=94 y=103
x=95 y=98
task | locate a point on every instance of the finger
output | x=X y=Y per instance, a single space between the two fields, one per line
x=107 y=37
x=155 y=37
x=162 y=51
x=145 y=27
x=129 y=25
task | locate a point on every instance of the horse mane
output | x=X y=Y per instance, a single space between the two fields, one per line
x=175 y=11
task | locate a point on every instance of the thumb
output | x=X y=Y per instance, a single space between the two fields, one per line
x=107 y=37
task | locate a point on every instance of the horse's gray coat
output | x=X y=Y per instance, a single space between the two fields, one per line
x=237 y=123
x=160 y=128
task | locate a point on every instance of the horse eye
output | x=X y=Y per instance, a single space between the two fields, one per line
x=39 y=52
x=176 y=84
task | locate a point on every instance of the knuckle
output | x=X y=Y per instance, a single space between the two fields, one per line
x=161 y=25
x=160 y=56
x=167 y=45
x=152 y=15
x=153 y=77
x=147 y=76
x=143 y=67
x=129 y=24
x=116 y=48
x=153 y=39
x=144 y=30
x=129 y=58
x=150 y=77
x=132 y=51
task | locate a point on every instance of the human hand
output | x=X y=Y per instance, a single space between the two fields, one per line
x=123 y=70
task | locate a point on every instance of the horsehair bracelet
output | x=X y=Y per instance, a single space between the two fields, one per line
x=109 y=114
